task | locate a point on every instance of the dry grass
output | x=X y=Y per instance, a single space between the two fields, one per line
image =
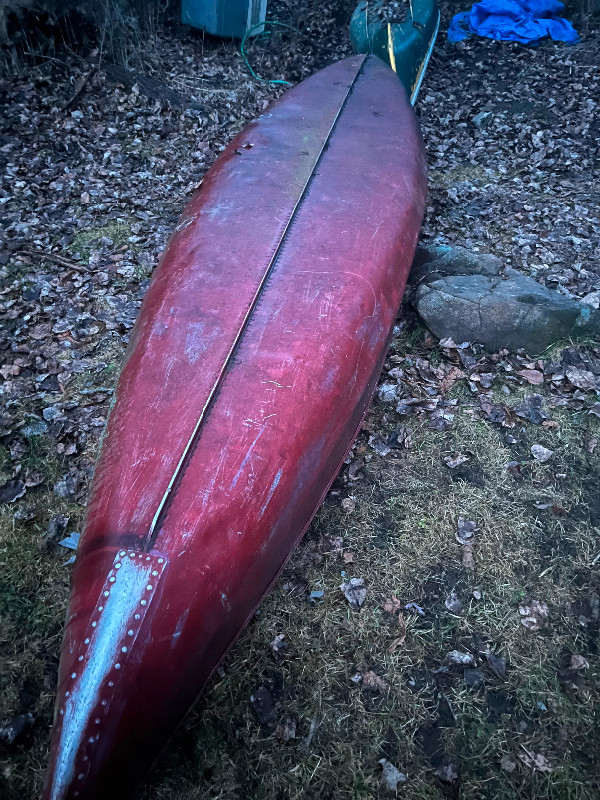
x=401 y=537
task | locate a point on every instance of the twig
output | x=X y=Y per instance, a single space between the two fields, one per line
x=63 y=262
x=80 y=85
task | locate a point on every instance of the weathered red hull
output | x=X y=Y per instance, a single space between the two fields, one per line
x=255 y=355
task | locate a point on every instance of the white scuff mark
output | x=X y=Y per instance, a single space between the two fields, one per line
x=274 y=486
x=247 y=457
x=179 y=627
x=377 y=230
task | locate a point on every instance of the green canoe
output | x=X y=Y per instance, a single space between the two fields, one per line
x=405 y=45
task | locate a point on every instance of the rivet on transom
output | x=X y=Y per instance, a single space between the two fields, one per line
x=117 y=666
x=143 y=602
x=73 y=675
x=123 y=649
x=129 y=633
x=149 y=587
x=80 y=658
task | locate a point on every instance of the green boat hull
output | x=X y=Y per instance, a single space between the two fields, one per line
x=406 y=46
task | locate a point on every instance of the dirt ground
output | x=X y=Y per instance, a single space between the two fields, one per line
x=469 y=506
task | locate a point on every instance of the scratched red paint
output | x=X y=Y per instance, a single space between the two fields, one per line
x=257 y=350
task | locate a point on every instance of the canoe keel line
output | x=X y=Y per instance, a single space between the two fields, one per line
x=254 y=358
x=162 y=509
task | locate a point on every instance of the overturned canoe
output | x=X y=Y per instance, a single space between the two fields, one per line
x=256 y=352
x=407 y=45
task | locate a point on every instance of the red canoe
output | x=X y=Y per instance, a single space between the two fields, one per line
x=255 y=355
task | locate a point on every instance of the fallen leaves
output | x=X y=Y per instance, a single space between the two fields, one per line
x=354 y=591
x=537 y=762
x=455 y=459
x=11 y=491
x=466 y=530
x=541 y=453
x=391 y=775
x=532 y=376
x=534 y=615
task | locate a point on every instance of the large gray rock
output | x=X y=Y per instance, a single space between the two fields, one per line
x=512 y=313
x=431 y=263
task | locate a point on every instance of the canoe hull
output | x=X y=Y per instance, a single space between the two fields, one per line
x=406 y=46
x=255 y=355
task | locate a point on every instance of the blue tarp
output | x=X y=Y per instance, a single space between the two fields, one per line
x=525 y=21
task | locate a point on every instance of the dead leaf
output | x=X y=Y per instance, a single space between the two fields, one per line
x=541 y=453
x=453 y=603
x=455 y=460
x=400 y=639
x=278 y=646
x=348 y=557
x=447 y=773
x=372 y=681
x=458 y=658
x=286 y=729
x=450 y=379
x=507 y=764
x=348 y=504
x=534 y=615
x=391 y=775
x=578 y=663
x=532 y=409
x=466 y=529
x=354 y=591
x=468 y=559
x=532 y=376
x=497 y=664
x=391 y=604
x=11 y=491
x=583 y=379
x=536 y=761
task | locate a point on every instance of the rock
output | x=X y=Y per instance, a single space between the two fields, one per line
x=512 y=313
x=431 y=263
